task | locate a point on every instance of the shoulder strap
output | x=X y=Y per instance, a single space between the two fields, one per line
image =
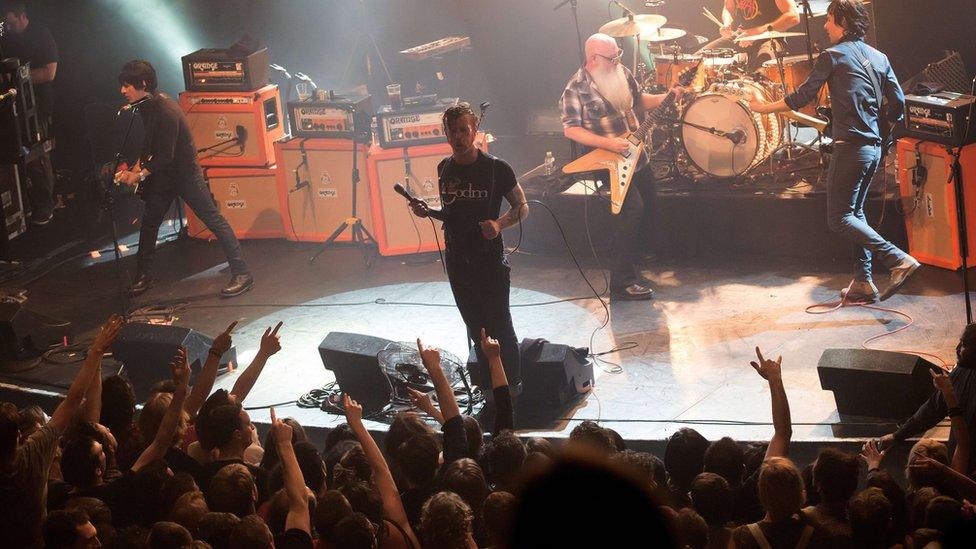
x=872 y=73
x=757 y=535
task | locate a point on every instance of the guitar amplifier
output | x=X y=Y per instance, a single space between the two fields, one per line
x=14 y=220
x=225 y=70
x=337 y=119
x=412 y=127
x=248 y=200
x=217 y=118
x=943 y=117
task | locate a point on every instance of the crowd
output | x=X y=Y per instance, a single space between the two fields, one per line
x=189 y=470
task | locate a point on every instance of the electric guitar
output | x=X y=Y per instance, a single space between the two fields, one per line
x=621 y=166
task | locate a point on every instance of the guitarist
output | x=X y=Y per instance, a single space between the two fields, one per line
x=601 y=103
x=860 y=80
x=168 y=168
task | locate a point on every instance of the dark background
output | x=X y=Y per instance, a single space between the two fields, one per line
x=523 y=51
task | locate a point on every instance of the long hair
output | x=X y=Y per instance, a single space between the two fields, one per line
x=852 y=15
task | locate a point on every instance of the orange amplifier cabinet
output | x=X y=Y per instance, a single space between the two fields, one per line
x=930 y=202
x=217 y=119
x=315 y=189
x=396 y=228
x=248 y=199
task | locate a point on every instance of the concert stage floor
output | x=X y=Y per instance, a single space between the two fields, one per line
x=692 y=345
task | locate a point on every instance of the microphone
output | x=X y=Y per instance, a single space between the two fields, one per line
x=135 y=105
x=736 y=136
x=398 y=188
x=241 y=136
x=9 y=93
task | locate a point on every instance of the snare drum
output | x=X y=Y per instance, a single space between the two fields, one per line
x=725 y=107
x=667 y=68
x=718 y=61
x=796 y=68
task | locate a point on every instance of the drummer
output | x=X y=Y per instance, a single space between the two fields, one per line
x=750 y=17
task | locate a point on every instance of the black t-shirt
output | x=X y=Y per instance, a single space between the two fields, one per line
x=294 y=538
x=469 y=194
x=35 y=46
x=754 y=13
x=167 y=148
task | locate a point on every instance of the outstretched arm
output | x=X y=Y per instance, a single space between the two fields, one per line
x=171 y=420
x=771 y=371
x=960 y=432
x=72 y=401
x=270 y=344
x=504 y=412
x=298 y=516
x=392 y=504
x=455 y=437
x=208 y=374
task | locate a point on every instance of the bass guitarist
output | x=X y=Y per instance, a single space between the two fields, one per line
x=860 y=80
x=169 y=158
x=601 y=103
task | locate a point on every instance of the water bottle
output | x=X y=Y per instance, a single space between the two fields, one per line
x=375 y=131
x=550 y=162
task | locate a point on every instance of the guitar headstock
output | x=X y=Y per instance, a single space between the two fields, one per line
x=688 y=75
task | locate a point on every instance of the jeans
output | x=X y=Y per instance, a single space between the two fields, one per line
x=480 y=285
x=194 y=191
x=849 y=176
x=627 y=228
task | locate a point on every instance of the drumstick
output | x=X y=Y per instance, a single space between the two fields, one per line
x=711 y=17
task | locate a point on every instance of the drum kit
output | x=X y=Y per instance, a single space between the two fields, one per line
x=716 y=133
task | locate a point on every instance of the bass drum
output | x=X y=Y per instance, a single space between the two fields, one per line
x=725 y=108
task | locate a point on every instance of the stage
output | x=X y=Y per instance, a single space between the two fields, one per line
x=689 y=349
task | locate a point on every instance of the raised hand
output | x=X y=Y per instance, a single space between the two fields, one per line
x=430 y=357
x=354 y=412
x=490 y=346
x=769 y=369
x=180 y=368
x=921 y=463
x=223 y=341
x=281 y=432
x=872 y=455
x=942 y=382
x=107 y=334
x=490 y=229
x=270 y=343
x=421 y=401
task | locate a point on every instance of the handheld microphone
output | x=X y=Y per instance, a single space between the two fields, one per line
x=241 y=136
x=9 y=93
x=129 y=106
x=398 y=188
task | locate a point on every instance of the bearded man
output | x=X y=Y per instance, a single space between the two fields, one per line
x=600 y=104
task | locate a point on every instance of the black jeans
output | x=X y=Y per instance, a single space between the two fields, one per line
x=196 y=194
x=627 y=226
x=481 y=286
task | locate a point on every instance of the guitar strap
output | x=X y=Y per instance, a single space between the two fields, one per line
x=873 y=75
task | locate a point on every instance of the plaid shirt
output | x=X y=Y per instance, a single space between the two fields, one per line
x=585 y=107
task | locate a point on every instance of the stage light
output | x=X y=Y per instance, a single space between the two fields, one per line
x=159 y=22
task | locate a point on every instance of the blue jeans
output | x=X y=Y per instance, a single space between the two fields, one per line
x=849 y=176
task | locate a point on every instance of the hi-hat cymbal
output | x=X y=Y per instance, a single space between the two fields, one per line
x=768 y=35
x=640 y=24
x=662 y=34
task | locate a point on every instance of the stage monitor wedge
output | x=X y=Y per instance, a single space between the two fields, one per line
x=353 y=359
x=879 y=384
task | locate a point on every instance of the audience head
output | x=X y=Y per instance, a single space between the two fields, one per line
x=330 y=509
x=353 y=467
x=966 y=348
x=498 y=513
x=338 y=434
x=218 y=398
x=251 y=533
x=418 y=457
x=896 y=497
x=504 y=454
x=780 y=488
x=445 y=522
x=332 y=455
x=465 y=478
x=684 y=457
x=215 y=529
x=920 y=478
x=270 y=458
x=474 y=433
x=943 y=513
x=30 y=419
x=691 y=529
x=152 y=416
x=355 y=532
x=309 y=462
x=590 y=435
x=640 y=464
x=541 y=446
x=404 y=426
x=725 y=457
x=835 y=475
x=365 y=499
x=869 y=513
x=83 y=462
x=232 y=490
x=189 y=510
x=69 y=530
x=173 y=488
x=9 y=432
x=920 y=503
x=712 y=498
x=228 y=427
x=169 y=535
x=118 y=404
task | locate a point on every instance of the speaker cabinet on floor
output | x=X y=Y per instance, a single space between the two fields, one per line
x=26 y=334
x=881 y=384
x=247 y=198
x=929 y=202
x=217 y=118
x=396 y=229
x=147 y=349
x=315 y=187
x=353 y=359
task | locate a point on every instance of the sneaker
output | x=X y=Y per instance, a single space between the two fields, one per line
x=238 y=285
x=899 y=274
x=860 y=292
x=634 y=292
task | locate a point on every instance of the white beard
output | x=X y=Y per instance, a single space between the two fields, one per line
x=612 y=84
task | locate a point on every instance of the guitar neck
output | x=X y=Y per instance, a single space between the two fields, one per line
x=651 y=118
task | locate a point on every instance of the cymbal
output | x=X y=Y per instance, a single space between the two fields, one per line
x=662 y=34
x=640 y=24
x=768 y=35
x=818 y=8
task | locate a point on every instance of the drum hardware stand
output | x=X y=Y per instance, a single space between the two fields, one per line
x=359 y=235
x=788 y=144
x=807 y=16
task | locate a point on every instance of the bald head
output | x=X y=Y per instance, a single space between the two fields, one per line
x=602 y=44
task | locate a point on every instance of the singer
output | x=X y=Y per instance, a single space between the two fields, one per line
x=472 y=184
x=598 y=105
x=167 y=168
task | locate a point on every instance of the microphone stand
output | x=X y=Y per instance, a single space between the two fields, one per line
x=230 y=141
x=574 y=7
